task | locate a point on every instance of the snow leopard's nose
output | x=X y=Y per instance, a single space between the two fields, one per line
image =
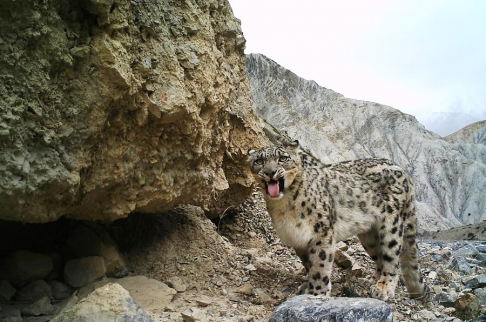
x=270 y=173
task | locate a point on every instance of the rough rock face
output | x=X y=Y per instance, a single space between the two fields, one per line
x=450 y=176
x=112 y=107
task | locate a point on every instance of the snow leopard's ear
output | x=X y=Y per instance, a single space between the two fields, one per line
x=287 y=141
x=251 y=155
x=280 y=138
x=291 y=144
x=272 y=135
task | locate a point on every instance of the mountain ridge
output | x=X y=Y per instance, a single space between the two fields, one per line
x=473 y=133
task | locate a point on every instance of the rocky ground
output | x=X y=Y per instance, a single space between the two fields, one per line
x=236 y=269
x=184 y=267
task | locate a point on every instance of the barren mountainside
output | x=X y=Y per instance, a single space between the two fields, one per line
x=449 y=174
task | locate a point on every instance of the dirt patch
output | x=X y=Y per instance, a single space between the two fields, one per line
x=244 y=281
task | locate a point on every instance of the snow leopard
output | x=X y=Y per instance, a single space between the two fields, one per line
x=314 y=205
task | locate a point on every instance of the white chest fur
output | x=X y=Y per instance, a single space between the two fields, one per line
x=290 y=229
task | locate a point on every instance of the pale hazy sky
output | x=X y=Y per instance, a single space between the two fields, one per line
x=426 y=58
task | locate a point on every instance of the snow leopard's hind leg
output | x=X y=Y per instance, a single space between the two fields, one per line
x=371 y=243
x=390 y=238
x=409 y=256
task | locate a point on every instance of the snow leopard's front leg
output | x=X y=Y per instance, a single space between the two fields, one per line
x=321 y=257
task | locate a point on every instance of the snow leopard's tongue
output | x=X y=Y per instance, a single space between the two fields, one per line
x=273 y=189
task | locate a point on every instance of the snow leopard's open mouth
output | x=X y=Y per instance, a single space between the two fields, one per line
x=275 y=188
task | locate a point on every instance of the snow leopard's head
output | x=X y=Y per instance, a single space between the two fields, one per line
x=276 y=166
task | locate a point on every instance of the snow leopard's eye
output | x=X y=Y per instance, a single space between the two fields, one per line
x=258 y=161
x=283 y=158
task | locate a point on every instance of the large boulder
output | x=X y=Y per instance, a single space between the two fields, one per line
x=112 y=107
x=107 y=303
x=307 y=308
x=24 y=266
x=152 y=295
x=82 y=271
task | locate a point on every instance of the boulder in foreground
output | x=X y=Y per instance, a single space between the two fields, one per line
x=307 y=308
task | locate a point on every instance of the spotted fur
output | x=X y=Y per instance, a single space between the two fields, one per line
x=319 y=204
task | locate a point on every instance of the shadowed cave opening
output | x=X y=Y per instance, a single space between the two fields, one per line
x=53 y=260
